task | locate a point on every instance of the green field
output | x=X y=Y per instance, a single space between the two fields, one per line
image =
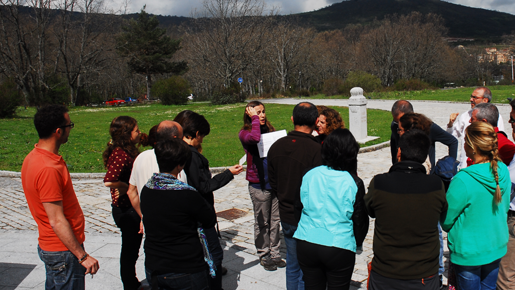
x=83 y=152
x=499 y=95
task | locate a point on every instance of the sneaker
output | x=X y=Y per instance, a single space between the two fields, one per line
x=279 y=262
x=268 y=264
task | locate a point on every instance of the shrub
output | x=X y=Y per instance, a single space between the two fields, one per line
x=505 y=82
x=9 y=98
x=230 y=95
x=366 y=81
x=411 y=85
x=303 y=93
x=172 y=91
x=332 y=86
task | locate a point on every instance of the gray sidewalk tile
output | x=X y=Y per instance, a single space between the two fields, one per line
x=18 y=231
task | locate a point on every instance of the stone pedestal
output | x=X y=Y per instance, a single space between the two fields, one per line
x=358 y=116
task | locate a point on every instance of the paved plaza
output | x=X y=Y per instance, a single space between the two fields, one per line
x=20 y=267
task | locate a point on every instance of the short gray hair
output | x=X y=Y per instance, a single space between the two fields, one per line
x=487 y=111
x=487 y=94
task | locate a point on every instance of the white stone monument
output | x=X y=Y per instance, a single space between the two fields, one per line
x=358 y=116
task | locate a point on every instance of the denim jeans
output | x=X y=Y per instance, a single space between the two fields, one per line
x=63 y=270
x=213 y=243
x=477 y=277
x=506 y=278
x=179 y=281
x=441 y=268
x=294 y=279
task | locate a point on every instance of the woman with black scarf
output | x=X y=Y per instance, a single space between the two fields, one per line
x=266 y=205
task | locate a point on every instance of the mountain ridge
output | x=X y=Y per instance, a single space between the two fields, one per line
x=462 y=21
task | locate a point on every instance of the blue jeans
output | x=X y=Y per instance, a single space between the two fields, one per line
x=213 y=243
x=63 y=270
x=441 y=268
x=294 y=279
x=477 y=277
x=179 y=281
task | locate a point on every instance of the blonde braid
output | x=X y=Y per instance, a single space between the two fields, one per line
x=493 y=163
x=481 y=137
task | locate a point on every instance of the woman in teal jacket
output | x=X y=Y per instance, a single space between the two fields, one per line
x=479 y=199
x=334 y=221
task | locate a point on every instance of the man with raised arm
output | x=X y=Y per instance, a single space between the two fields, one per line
x=53 y=203
x=457 y=125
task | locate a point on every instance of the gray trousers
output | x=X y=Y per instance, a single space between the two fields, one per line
x=506 y=278
x=266 y=222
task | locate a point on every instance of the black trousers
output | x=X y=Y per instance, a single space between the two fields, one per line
x=378 y=282
x=128 y=220
x=325 y=267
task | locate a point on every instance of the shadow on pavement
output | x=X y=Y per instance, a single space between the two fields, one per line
x=12 y=274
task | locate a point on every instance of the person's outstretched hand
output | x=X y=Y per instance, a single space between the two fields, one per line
x=236 y=169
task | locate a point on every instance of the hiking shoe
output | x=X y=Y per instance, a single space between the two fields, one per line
x=268 y=263
x=279 y=262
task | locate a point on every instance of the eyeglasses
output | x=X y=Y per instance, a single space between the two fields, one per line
x=71 y=125
x=511 y=121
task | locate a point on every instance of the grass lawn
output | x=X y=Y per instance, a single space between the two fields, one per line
x=83 y=152
x=499 y=95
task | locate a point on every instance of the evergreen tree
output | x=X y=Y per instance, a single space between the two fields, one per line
x=148 y=49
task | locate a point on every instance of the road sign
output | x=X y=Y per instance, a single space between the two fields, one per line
x=240 y=80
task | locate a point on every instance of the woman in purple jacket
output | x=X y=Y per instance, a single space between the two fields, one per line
x=266 y=205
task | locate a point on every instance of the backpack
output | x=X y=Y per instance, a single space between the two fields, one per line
x=446 y=168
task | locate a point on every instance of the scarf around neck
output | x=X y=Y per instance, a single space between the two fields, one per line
x=165 y=181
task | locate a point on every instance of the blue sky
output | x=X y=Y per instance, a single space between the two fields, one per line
x=185 y=7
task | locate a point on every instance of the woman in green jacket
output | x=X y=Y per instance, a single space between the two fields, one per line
x=478 y=198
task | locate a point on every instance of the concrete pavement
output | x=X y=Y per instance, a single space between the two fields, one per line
x=21 y=268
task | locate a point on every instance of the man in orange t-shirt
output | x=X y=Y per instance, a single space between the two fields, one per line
x=53 y=204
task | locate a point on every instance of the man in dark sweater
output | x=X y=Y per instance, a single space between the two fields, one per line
x=436 y=134
x=407 y=204
x=288 y=159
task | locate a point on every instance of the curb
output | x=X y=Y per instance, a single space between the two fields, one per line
x=374 y=147
x=214 y=170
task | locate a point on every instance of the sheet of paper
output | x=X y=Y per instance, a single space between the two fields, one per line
x=267 y=140
x=243 y=160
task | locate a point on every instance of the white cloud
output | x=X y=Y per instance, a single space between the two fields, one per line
x=507 y=6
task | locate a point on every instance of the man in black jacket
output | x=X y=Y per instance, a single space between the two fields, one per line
x=436 y=134
x=288 y=159
x=407 y=204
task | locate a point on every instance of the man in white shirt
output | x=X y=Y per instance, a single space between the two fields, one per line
x=506 y=277
x=457 y=125
x=146 y=164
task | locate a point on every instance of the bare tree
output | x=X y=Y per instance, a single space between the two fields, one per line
x=80 y=40
x=288 y=47
x=226 y=36
x=23 y=45
x=382 y=47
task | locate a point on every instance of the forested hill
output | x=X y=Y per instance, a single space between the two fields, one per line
x=462 y=21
